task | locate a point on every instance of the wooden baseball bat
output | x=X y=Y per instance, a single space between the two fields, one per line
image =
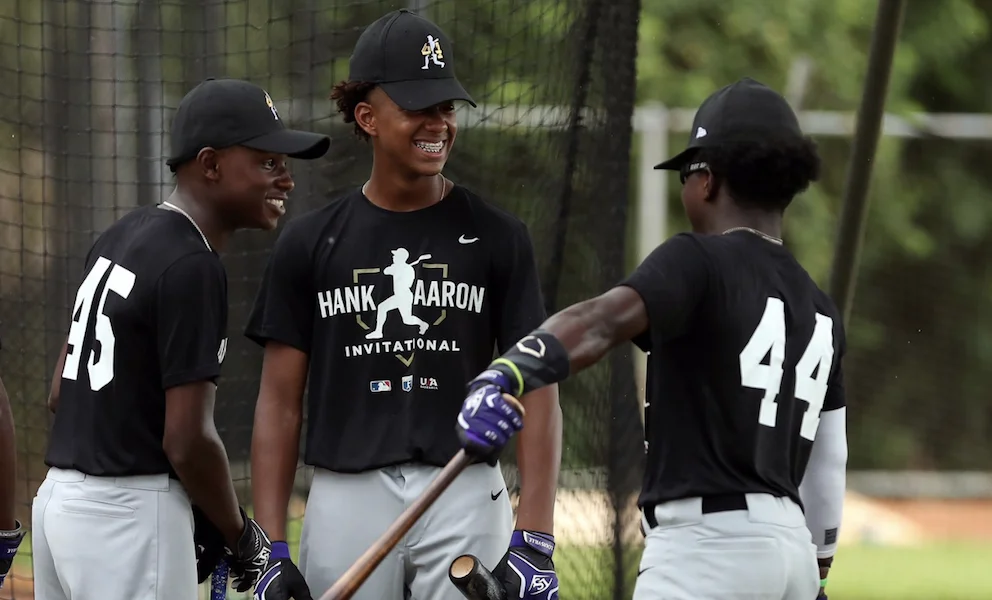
x=357 y=573
x=474 y=580
x=218 y=581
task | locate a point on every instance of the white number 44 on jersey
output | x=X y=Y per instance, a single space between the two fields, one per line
x=769 y=339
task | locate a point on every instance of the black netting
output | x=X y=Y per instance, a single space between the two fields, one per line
x=89 y=88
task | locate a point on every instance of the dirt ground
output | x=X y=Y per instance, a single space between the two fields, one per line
x=960 y=520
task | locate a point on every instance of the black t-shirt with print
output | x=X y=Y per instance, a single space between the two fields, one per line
x=150 y=313
x=745 y=354
x=397 y=312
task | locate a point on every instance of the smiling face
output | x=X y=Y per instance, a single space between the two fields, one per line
x=415 y=142
x=253 y=188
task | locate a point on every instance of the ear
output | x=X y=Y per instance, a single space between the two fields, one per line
x=711 y=186
x=208 y=160
x=365 y=117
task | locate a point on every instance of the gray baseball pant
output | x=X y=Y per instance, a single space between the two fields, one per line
x=112 y=538
x=762 y=553
x=346 y=513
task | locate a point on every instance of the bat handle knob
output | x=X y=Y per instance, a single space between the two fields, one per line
x=474 y=580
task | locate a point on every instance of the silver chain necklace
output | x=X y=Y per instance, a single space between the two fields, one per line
x=444 y=185
x=760 y=234
x=170 y=206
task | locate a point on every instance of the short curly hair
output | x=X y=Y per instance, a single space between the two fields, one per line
x=347 y=95
x=765 y=174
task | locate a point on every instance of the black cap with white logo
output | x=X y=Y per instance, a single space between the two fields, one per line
x=219 y=113
x=410 y=58
x=744 y=111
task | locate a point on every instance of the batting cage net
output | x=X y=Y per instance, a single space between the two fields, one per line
x=88 y=91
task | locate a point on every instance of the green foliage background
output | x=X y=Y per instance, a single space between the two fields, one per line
x=921 y=330
x=87 y=89
x=921 y=334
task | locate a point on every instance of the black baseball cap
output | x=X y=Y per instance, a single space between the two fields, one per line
x=410 y=58
x=743 y=111
x=231 y=112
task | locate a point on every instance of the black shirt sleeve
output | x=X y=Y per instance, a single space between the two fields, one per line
x=284 y=306
x=520 y=306
x=191 y=319
x=835 y=397
x=671 y=281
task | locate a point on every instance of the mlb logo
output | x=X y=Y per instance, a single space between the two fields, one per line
x=381 y=385
x=428 y=383
x=407 y=383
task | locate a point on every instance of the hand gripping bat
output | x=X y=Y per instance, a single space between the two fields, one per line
x=357 y=573
x=474 y=580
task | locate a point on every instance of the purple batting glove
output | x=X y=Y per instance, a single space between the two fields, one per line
x=9 y=541
x=487 y=421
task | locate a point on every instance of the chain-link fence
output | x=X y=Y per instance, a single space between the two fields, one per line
x=88 y=91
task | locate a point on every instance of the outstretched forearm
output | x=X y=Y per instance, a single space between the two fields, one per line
x=573 y=339
x=586 y=331
x=8 y=462
x=538 y=458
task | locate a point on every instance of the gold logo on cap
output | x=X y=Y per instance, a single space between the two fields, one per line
x=272 y=107
x=432 y=53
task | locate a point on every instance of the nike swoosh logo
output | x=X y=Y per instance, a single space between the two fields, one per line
x=464 y=240
x=496 y=495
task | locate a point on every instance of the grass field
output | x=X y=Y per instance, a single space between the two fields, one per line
x=952 y=571
x=919 y=568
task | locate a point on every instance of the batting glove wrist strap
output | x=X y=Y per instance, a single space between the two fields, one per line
x=541 y=542
x=279 y=550
x=527 y=571
x=16 y=534
x=537 y=360
x=494 y=375
x=9 y=541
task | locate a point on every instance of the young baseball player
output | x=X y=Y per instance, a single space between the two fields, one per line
x=133 y=442
x=745 y=410
x=390 y=298
x=11 y=532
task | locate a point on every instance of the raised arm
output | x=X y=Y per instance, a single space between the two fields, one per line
x=588 y=330
x=654 y=304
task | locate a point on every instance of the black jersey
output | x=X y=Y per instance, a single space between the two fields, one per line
x=744 y=353
x=150 y=314
x=397 y=312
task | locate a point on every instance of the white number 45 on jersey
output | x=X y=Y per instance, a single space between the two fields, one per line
x=769 y=339
x=120 y=282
